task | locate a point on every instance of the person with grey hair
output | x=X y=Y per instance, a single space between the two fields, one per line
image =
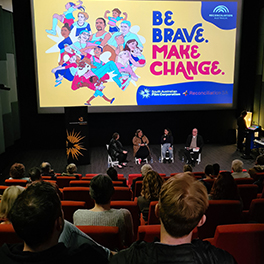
x=46 y=170
x=237 y=168
x=70 y=170
x=144 y=170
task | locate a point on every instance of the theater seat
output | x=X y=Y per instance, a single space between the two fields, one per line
x=69 y=207
x=244 y=180
x=245 y=242
x=255 y=214
x=138 y=187
x=122 y=193
x=9 y=182
x=64 y=181
x=248 y=192
x=8 y=235
x=152 y=218
x=107 y=236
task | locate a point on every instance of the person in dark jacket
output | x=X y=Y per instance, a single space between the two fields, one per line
x=241 y=129
x=167 y=142
x=116 y=150
x=182 y=204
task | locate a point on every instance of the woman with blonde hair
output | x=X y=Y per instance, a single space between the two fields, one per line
x=9 y=196
x=151 y=186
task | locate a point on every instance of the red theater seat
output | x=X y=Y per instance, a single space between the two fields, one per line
x=244 y=181
x=152 y=218
x=122 y=193
x=80 y=183
x=138 y=187
x=248 y=192
x=64 y=181
x=10 y=182
x=8 y=235
x=69 y=207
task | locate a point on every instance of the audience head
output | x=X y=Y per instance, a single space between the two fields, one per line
x=243 y=113
x=9 y=196
x=37 y=215
x=145 y=169
x=224 y=187
x=101 y=189
x=112 y=173
x=237 y=165
x=45 y=167
x=115 y=136
x=260 y=160
x=209 y=170
x=187 y=167
x=35 y=174
x=17 y=171
x=151 y=186
x=182 y=204
x=216 y=167
x=71 y=168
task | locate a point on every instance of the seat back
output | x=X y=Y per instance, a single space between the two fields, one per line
x=245 y=242
x=80 y=183
x=244 y=180
x=122 y=193
x=107 y=236
x=138 y=187
x=8 y=235
x=134 y=210
x=64 y=181
x=9 y=182
x=152 y=218
x=69 y=207
x=256 y=211
x=78 y=194
x=248 y=192
x=131 y=177
x=219 y=212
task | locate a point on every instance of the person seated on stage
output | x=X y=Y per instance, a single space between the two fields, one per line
x=101 y=191
x=112 y=173
x=8 y=198
x=144 y=170
x=71 y=170
x=193 y=147
x=187 y=167
x=38 y=220
x=167 y=143
x=46 y=170
x=182 y=204
x=116 y=151
x=237 y=167
x=17 y=172
x=140 y=146
x=216 y=167
x=151 y=186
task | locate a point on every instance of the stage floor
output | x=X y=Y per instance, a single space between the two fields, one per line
x=222 y=154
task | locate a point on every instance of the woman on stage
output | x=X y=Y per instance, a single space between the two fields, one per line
x=116 y=151
x=140 y=145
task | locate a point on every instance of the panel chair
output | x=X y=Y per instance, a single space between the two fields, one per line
x=245 y=242
x=107 y=236
x=220 y=212
x=69 y=207
x=9 y=182
x=110 y=161
x=8 y=235
x=137 y=160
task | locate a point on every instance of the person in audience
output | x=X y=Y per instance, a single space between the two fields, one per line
x=193 y=147
x=151 y=186
x=140 y=146
x=35 y=174
x=187 y=167
x=224 y=188
x=17 y=171
x=257 y=168
x=237 y=167
x=9 y=196
x=37 y=218
x=71 y=169
x=216 y=167
x=112 y=173
x=208 y=174
x=101 y=191
x=144 y=170
x=116 y=151
x=46 y=170
x=181 y=207
x=167 y=142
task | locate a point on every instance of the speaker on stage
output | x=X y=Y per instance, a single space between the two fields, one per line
x=77 y=145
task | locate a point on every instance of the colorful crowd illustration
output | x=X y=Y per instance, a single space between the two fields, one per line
x=92 y=59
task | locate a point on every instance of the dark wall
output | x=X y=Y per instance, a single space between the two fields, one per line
x=215 y=126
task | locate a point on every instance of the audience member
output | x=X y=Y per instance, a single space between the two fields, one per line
x=216 y=167
x=71 y=170
x=112 y=173
x=151 y=186
x=187 y=167
x=167 y=143
x=35 y=174
x=9 y=196
x=193 y=147
x=258 y=167
x=209 y=171
x=237 y=167
x=17 y=171
x=144 y=170
x=182 y=204
x=101 y=191
x=46 y=170
x=140 y=145
x=37 y=218
x=116 y=151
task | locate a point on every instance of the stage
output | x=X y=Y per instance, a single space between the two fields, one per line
x=222 y=154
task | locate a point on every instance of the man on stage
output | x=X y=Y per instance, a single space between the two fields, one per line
x=193 y=147
x=241 y=129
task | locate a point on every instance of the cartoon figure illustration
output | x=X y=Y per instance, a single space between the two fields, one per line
x=125 y=69
x=65 y=32
x=101 y=36
x=114 y=19
x=136 y=59
x=66 y=17
x=66 y=55
x=81 y=24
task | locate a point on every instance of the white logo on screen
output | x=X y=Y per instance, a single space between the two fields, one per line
x=145 y=93
x=221 y=9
